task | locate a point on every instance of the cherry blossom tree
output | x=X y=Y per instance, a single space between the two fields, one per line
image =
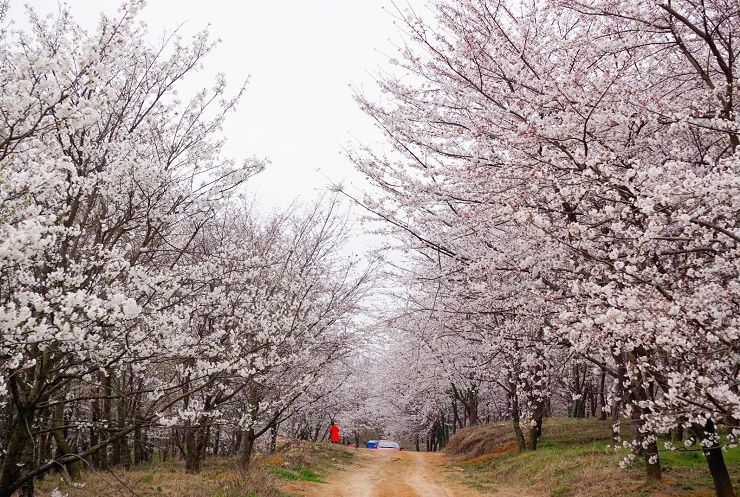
x=138 y=296
x=106 y=178
x=577 y=162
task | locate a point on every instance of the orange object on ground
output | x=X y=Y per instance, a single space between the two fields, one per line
x=334 y=434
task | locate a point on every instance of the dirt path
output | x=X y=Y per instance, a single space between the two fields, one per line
x=393 y=474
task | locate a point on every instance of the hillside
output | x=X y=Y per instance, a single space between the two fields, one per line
x=574 y=459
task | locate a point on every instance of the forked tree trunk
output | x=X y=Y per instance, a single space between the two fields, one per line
x=191 y=445
x=244 y=456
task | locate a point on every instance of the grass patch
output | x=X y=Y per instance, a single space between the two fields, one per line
x=300 y=473
x=573 y=459
x=268 y=475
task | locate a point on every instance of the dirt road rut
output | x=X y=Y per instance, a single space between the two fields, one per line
x=393 y=474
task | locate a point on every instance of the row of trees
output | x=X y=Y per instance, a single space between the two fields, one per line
x=563 y=182
x=143 y=304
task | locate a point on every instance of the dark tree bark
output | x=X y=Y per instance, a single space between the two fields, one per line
x=195 y=444
x=63 y=447
x=602 y=395
x=535 y=431
x=19 y=448
x=107 y=415
x=217 y=441
x=455 y=415
x=514 y=410
x=646 y=441
x=273 y=436
x=715 y=460
x=244 y=456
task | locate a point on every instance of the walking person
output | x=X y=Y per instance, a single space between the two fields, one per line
x=333 y=433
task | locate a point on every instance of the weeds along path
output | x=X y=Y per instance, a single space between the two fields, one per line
x=394 y=474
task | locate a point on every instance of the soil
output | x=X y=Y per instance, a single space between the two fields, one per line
x=378 y=473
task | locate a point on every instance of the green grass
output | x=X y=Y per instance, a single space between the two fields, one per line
x=299 y=473
x=573 y=458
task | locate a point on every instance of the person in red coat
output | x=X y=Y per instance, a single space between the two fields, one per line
x=333 y=433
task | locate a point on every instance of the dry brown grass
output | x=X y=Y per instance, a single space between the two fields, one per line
x=218 y=478
x=296 y=453
x=490 y=455
x=479 y=440
x=491 y=438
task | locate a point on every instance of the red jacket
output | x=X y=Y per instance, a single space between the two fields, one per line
x=334 y=433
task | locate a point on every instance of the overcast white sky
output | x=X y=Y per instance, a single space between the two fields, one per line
x=301 y=57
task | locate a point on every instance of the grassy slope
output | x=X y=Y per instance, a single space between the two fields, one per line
x=269 y=476
x=573 y=460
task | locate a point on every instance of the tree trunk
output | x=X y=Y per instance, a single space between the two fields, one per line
x=18 y=451
x=575 y=407
x=471 y=406
x=117 y=449
x=193 y=457
x=535 y=430
x=196 y=440
x=244 y=456
x=514 y=401
x=217 y=440
x=44 y=452
x=602 y=396
x=63 y=447
x=94 y=430
x=141 y=451
x=678 y=434
x=273 y=436
x=715 y=460
x=107 y=416
x=538 y=422
x=455 y=415
x=647 y=449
